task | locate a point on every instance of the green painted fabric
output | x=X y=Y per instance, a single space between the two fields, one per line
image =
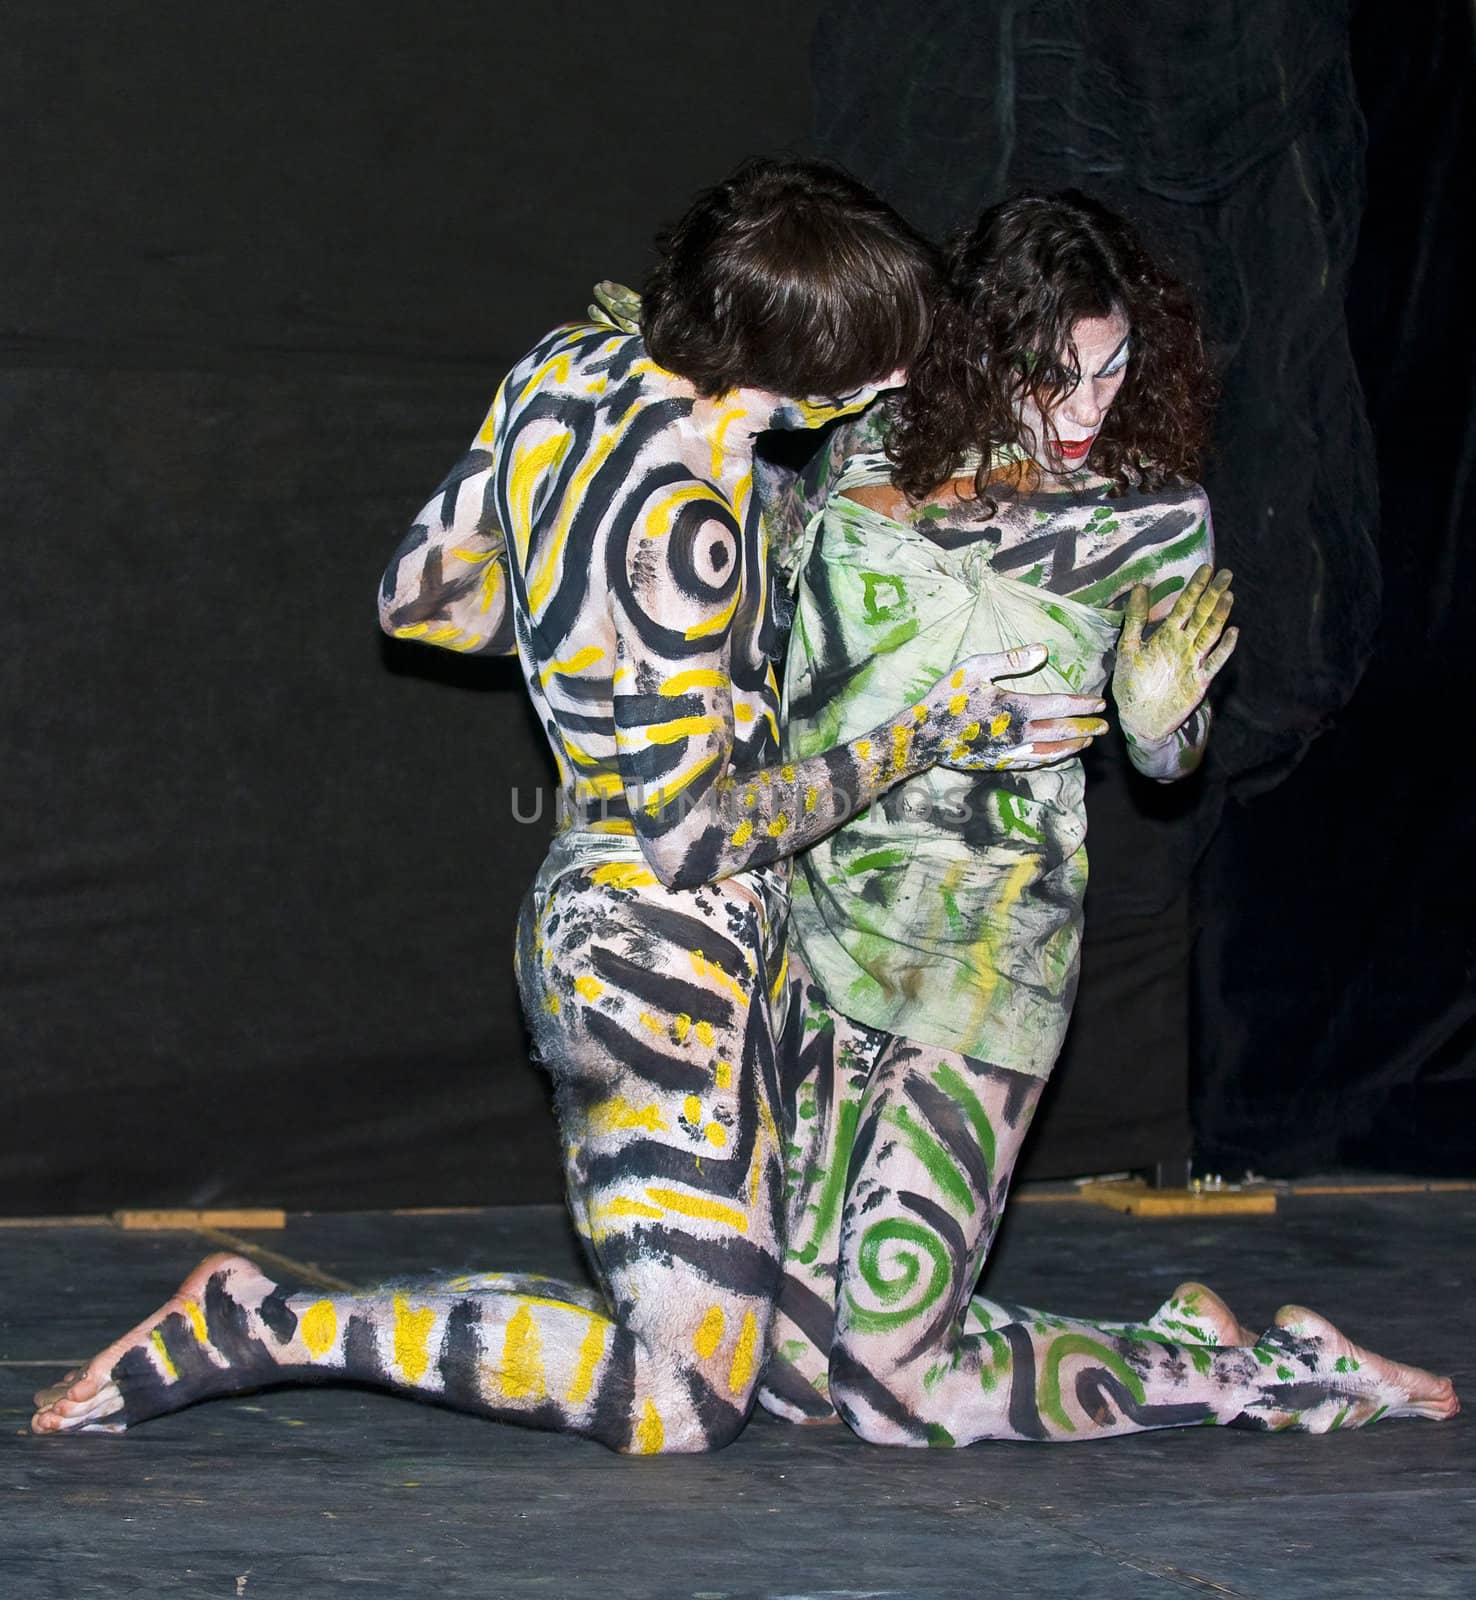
x=950 y=913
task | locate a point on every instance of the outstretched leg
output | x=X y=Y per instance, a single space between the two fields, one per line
x=656 y=1018
x=918 y=1360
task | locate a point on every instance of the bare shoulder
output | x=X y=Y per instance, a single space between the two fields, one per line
x=883 y=497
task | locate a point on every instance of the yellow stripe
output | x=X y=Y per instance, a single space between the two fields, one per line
x=611 y=1116
x=668 y=792
x=695 y=678
x=197 y=1321
x=319 y=1328
x=681 y=728
x=591 y=1348
x=623 y=875
x=157 y=1340
x=576 y=663
x=522 y=1358
x=488 y=430
x=700 y=630
x=558 y=365
x=699 y=1206
x=740 y=1374
x=658 y=521
x=530 y=467
x=709 y=1333
x=650 y=1435
x=412 y=1338
x=710 y=969
x=541 y=583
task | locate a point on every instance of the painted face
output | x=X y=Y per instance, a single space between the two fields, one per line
x=1061 y=439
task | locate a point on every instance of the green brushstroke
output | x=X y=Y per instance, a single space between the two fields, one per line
x=956 y=1087
x=1078 y=1344
x=898 y=1230
x=935 y=1158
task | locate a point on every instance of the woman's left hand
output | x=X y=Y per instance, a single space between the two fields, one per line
x=1159 y=682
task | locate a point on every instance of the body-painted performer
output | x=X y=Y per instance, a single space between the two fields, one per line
x=605 y=525
x=1036 y=487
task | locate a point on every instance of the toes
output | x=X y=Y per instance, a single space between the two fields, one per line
x=53 y=1392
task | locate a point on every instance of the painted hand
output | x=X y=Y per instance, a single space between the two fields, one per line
x=1160 y=681
x=975 y=724
x=617 y=305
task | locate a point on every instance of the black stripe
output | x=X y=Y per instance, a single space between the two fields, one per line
x=661 y=989
x=361 y=1352
x=954 y=1130
x=812 y=1315
x=687 y=933
x=613 y=1421
x=848 y=1376
x=1095 y=1387
x=278 y=1315
x=1024 y=1408
x=460 y=1359
x=733 y=1265
x=784 y=1380
x=721 y=1421
x=639 y=1057
x=651 y=710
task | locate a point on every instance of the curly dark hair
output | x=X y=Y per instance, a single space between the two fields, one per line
x=1014 y=288
x=789 y=276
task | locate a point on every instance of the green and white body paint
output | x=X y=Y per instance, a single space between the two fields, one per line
x=934 y=939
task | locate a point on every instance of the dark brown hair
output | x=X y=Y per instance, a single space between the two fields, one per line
x=792 y=277
x=1014 y=288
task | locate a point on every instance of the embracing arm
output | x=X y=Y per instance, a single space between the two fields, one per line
x=1161 y=680
x=447 y=584
x=696 y=817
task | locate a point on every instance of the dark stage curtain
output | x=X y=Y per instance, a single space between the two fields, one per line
x=1338 y=1004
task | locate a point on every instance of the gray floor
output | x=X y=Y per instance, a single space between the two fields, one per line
x=327 y=1491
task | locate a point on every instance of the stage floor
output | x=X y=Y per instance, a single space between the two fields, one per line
x=325 y=1491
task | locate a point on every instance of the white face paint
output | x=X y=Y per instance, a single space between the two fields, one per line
x=1061 y=439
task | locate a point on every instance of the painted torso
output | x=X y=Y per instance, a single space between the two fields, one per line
x=587 y=459
x=950 y=912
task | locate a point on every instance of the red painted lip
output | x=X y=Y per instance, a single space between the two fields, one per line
x=1076 y=450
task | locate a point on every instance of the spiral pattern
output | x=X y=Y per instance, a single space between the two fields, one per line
x=895 y=1254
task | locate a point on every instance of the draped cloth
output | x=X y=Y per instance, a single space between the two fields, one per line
x=950 y=912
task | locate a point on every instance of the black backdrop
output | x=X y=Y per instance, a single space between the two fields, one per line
x=262 y=271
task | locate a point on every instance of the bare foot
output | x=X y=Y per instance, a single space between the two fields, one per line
x=1369 y=1386
x=92 y=1399
x=1195 y=1314
x=1203 y=1305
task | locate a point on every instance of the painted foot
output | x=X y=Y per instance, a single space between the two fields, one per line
x=167 y=1361
x=1365 y=1386
x=1195 y=1312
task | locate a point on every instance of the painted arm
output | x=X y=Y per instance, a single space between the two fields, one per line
x=447 y=584
x=1161 y=677
x=696 y=817
x=789 y=499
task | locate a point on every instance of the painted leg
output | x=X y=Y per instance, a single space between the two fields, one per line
x=917 y=1360
x=656 y=1022
x=834 y=1059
